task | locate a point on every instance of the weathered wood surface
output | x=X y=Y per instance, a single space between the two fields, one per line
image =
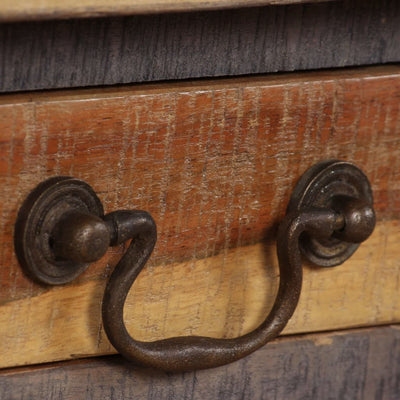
x=353 y=365
x=215 y=163
x=222 y=296
x=96 y=52
x=18 y=10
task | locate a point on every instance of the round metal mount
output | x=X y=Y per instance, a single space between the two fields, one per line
x=40 y=213
x=318 y=188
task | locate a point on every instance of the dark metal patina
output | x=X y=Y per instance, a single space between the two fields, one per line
x=61 y=228
x=342 y=187
x=48 y=206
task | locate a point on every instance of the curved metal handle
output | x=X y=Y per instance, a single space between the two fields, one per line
x=61 y=228
x=331 y=235
x=198 y=352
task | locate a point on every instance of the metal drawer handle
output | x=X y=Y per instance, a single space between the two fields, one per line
x=61 y=228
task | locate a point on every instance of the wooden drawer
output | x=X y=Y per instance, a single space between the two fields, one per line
x=215 y=163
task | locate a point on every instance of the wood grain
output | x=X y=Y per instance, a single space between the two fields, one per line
x=18 y=10
x=215 y=163
x=353 y=365
x=221 y=296
x=107 y=51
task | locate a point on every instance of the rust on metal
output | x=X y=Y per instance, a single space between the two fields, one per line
x=61 y=228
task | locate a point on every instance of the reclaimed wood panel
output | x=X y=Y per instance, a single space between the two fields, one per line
x=22 y=10
x=221 y=296
x=353 y=365
x=105 y=51
x=215 y=163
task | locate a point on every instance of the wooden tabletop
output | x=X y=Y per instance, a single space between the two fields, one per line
x=20 y=10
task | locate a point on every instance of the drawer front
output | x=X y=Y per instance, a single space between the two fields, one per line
x=215 y=164
x=144 y=48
